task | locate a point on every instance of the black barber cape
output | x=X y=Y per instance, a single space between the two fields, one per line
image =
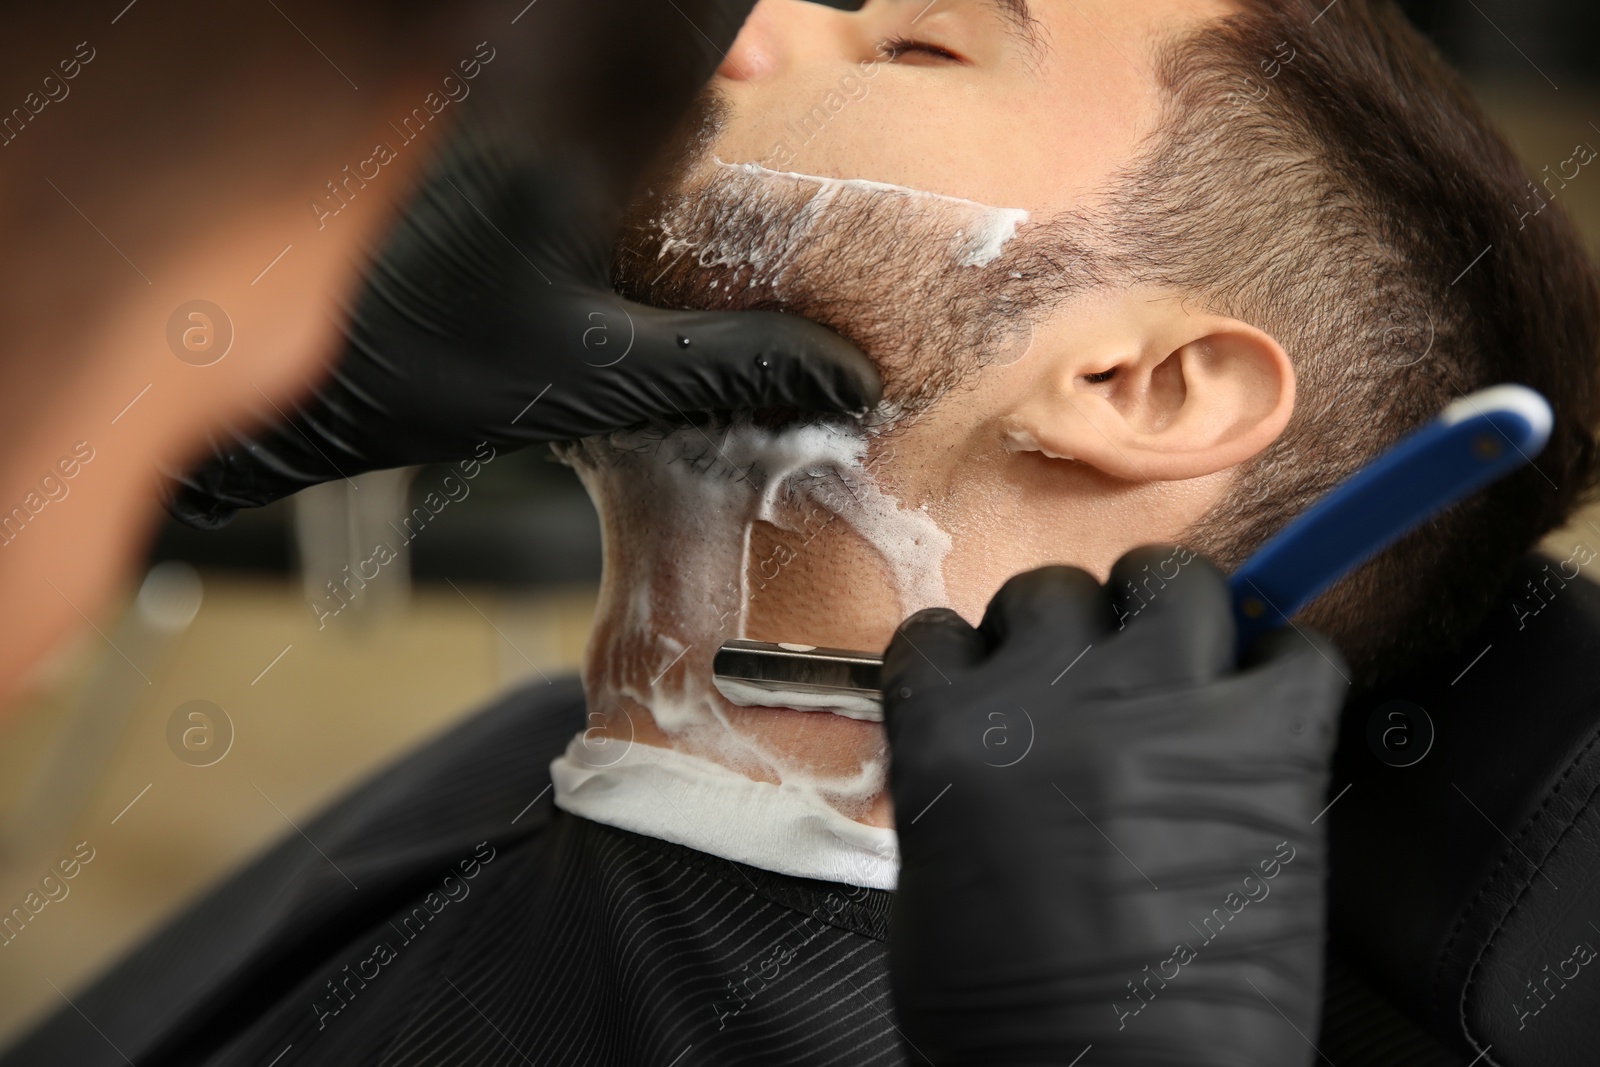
x=441 y=919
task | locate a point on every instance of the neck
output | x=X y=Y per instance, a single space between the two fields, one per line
x=708 y=536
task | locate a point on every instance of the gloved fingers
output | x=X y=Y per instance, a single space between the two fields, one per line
x=613 y=76
x=1176 y=603
x=928 y=712
x=1043 y=615
x=1304 y=658
x=1287 y=642
x=929 y=651
x=501 y=217
x=684 y=361
x=249 y=469
x=190 y=496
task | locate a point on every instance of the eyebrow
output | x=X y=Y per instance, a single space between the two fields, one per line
x=1019 y=19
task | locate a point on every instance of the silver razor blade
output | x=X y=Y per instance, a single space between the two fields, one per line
x=801 y=677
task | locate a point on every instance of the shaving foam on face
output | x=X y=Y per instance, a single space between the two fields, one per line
x=978 y=231
x=677 y=513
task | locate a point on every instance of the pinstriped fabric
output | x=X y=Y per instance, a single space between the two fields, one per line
x=571 y=943
x=1360 y=1027
x=644 y=956
x=595 y=947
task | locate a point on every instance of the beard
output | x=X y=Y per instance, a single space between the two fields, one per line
x=697 y=521
x=930 y=287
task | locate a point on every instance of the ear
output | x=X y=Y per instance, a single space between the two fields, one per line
x=1151 y=390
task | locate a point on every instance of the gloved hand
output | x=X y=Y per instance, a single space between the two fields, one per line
x=1106 y=834
x=489 y=314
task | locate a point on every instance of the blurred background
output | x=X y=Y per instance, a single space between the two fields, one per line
x=257 y=672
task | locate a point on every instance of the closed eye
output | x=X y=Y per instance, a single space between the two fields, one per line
x=896 y=47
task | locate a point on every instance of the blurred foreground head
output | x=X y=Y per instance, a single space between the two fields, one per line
x=191 y=191
x=162 y=264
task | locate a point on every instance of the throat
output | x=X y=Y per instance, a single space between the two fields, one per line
x=730 y=531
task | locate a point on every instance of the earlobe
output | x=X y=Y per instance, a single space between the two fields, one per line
x=1155 y=393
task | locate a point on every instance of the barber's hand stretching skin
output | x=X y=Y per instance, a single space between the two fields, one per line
x=488 y=314
x=1145 y=878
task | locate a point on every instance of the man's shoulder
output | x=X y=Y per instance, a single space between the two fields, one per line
x=484 y=779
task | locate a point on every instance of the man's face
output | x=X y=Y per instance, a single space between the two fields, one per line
x=943 y=120
x=1034 y=107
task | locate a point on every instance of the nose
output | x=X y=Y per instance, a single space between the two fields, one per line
x=775 y=33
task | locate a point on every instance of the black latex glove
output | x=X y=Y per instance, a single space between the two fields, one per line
x=489 y=315
x=1113 y=847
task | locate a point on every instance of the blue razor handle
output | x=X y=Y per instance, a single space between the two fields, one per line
x=1474 y=441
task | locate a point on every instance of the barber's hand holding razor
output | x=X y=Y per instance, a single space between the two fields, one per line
x=1106 y=834
x=489 y=316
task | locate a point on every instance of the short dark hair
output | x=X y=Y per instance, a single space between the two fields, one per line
x=1321 y=173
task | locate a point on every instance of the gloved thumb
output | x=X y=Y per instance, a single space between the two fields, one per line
x=929 y=651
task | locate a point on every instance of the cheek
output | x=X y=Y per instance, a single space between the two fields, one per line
x=1005 y=512
x=949 y=139
x=921 y=136
x=994 y=534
